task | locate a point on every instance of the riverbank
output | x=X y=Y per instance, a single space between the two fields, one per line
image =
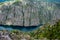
x=42 y=33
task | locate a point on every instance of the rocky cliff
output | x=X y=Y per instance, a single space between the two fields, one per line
x=29 y=13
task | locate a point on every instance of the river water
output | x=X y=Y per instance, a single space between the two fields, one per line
x=22 y=28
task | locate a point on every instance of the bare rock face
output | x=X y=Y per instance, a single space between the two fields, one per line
x=4 y=36
x=28 y=13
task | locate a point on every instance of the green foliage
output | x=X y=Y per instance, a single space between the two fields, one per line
x=1 y=3
x=47 y=31
x=15 y=32
x=52 y=32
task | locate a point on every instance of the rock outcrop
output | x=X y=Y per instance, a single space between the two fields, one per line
x=29 y=13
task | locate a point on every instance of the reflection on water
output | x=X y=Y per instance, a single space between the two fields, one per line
x=28 y=28
x=3 y=28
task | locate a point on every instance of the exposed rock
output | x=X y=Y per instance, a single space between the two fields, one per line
x=4 y=36
x=29 y=13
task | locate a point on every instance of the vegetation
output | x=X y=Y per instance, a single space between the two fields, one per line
x=47 y=31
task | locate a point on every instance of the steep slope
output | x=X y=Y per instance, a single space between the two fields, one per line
x=28 y=13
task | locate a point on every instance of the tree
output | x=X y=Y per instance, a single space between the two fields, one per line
x=52 y=32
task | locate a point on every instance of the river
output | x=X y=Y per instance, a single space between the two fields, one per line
x=22 y=28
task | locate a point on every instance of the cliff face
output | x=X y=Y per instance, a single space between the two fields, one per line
x=29 y=13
